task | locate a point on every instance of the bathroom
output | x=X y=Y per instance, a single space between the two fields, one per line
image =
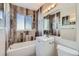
x=50 y=29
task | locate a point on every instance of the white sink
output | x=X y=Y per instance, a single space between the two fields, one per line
x=45 y=38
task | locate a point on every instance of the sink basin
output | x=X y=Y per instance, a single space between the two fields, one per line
x=45 y=38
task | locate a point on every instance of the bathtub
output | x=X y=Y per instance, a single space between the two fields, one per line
x=22 y=49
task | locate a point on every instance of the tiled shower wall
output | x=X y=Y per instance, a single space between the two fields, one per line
x=15 y=36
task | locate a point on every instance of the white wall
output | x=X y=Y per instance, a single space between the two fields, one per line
x=69 y=34
x=2 y=42
x=77 y=22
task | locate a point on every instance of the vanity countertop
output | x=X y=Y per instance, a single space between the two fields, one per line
x=68 y=43
x=45 y=38
x=71 y=44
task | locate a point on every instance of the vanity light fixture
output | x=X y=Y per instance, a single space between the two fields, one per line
x=72 y=19
x=53 y=5
x=50 y=7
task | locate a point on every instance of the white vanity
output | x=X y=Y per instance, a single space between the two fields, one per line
x=45 y=46
x=54 y=45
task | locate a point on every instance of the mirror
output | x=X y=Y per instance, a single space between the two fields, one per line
x=53 y=22
x=68 y=22
x=62 y=22
x=68 y=15
x=46 y=25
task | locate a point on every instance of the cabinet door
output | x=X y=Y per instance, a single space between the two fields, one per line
x=45 y=48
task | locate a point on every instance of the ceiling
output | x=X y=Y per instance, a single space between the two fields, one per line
x=32 y=6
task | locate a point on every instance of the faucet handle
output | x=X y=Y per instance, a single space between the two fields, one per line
x=51 y=42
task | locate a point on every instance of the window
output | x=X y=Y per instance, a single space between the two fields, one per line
x=28 y=25
x=20 y=22
x=1 y=19
x=24 y=22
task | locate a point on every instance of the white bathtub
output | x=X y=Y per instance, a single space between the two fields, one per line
x=22 y=49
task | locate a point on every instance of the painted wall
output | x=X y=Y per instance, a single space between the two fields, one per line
x=2 y=42
x=69 y=34
x=77 y=23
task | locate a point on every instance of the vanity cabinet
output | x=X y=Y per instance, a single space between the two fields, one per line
x=45 y=46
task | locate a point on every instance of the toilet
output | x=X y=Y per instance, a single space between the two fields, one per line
x=66 y=51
